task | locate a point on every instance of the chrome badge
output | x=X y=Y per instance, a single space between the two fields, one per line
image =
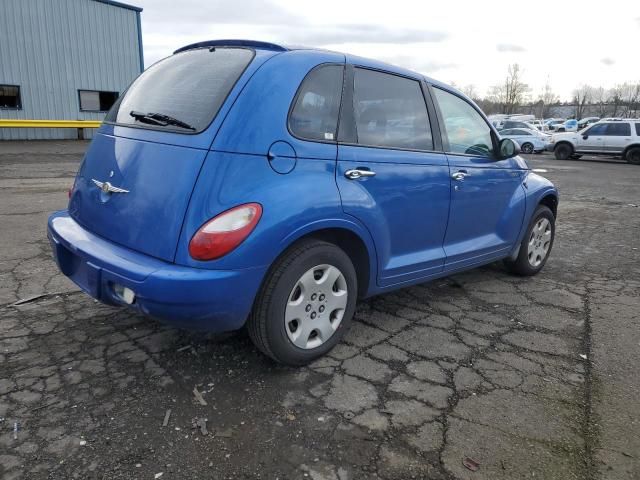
x=106 y=187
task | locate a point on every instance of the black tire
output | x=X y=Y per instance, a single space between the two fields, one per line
x=563 y=151
x=527 y=148
x=266 y=325
x=633 y=155
x=522 y=265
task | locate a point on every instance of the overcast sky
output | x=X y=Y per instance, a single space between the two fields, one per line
x=462 y=41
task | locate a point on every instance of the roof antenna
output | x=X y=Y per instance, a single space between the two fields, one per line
x=212 y=49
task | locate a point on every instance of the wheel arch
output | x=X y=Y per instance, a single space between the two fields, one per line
x=352 y=238
x=550 y=200
x=629 y=147
x=564 y=142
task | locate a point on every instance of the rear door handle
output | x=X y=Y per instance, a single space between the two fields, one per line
x=356 y=173
x=460 y=175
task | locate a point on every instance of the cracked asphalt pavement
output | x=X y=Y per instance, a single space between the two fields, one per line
x=478 y=376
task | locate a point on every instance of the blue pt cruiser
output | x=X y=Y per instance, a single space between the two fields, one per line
x=241 y=182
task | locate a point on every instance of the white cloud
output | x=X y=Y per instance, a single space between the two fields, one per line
x=464 y=41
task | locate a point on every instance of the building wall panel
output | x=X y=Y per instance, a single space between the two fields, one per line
x=53 y=48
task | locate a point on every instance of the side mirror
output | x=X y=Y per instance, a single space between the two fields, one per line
x=507 y=148
x=585 y=136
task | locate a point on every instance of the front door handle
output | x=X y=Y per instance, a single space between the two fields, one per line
x=358 y=173
x=460 y=175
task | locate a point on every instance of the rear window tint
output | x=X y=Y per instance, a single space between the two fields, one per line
x=618 y=129
x=315 y=113
x=390 y=111
x=190 y=87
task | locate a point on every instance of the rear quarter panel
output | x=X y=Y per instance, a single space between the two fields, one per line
x=237 y=171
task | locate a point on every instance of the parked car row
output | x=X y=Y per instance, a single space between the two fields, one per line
x=530 y=139
x=549 y=124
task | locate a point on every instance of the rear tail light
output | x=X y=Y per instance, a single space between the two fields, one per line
x=224 y=232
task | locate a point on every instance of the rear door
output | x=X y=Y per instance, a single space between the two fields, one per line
x=487 y=196
x=135 y=182
x=592 y=139
x=391 y=174
x=617 y=137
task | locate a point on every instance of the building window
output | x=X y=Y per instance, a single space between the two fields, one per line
x=95 y=101
x=10 y=97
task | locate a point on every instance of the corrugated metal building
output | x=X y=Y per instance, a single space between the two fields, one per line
x=65 y=60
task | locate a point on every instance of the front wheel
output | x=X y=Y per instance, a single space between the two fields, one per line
x=563 y=151
x=306 y=303
x=633 y=156
x=536 y=244
x=527 y=148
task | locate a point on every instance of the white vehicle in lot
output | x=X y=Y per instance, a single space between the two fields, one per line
x=539 y=124
x=530 y=140
x=615 y=138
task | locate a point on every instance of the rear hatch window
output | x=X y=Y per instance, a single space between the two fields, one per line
x=182 y=93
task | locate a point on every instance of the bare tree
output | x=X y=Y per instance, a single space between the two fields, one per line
x=634 y=101
x=512 y=93
x=546 y=99
x=615 y=99
x=471 y=92
x=599 y=100
x=581 y=98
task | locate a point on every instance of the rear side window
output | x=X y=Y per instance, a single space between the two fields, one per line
x=637 y=128
x=189 y=87
x=315 y=113
x=390 y=111
x=618 y=129
x=465 y=129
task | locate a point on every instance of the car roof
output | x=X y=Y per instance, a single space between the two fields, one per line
x=361 y=61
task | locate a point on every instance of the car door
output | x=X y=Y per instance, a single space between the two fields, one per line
x=487 y=197
x=617 y=137
x=392 y=174
x=592 y=139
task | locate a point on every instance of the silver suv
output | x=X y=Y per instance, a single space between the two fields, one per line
x=619 y=137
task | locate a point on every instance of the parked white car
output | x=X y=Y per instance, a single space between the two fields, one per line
x=570 y=125
x=616 y=137
x=530 y=140
x=539 y=124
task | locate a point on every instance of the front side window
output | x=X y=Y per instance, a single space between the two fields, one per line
x=10 y=97
x=183 y=92
x=622 y=129
x=315 y=113
x=96 y=101
x=598 y=129
x=390 y=111
x=638 y=128
x=464 y=127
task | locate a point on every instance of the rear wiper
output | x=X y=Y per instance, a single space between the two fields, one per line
x=160 y=119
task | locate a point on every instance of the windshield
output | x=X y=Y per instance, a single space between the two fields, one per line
x=183 y=92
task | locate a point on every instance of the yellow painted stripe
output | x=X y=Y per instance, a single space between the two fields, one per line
x=12 y=123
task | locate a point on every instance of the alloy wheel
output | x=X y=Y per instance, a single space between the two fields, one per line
x=315 y=306
x=539 y=242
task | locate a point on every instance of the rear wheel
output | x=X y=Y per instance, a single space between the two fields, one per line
x=306 y=303
x=563 y=151
x=536 y=244
x=527 y=148
x=633 y=155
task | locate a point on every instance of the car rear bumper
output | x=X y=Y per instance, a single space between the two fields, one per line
x=212 y=300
